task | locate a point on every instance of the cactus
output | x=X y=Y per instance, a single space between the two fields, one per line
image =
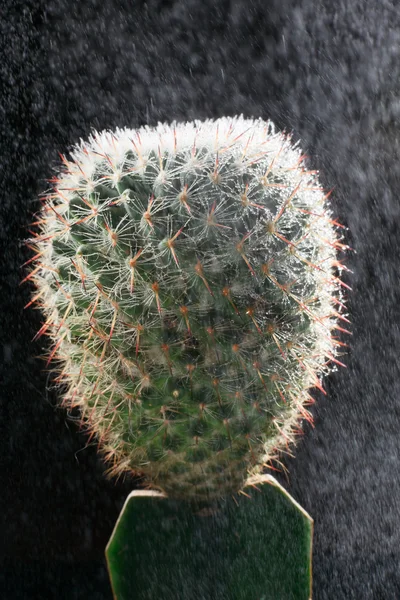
x=189 y=278
x=256 y=544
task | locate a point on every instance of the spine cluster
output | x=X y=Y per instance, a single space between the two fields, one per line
x=189 y=281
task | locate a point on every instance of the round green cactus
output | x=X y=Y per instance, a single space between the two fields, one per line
x=190 y=282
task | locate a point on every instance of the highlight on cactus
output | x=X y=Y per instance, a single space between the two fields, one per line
x=190 y=282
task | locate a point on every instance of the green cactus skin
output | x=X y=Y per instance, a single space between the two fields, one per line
x=188 y=274
x=255 y=545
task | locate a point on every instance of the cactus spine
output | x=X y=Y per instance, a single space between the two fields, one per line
x=188 y=274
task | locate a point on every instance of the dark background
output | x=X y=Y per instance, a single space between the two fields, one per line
x=329 y=71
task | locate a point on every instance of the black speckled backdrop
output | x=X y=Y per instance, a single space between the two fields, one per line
x=328 y=71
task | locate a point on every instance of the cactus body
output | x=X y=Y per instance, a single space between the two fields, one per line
x=256 y=545
x=188 y=274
